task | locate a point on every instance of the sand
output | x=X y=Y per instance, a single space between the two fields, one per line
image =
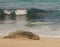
x=43 y=42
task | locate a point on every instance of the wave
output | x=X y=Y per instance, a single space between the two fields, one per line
x=43 y=15
x=35 y=14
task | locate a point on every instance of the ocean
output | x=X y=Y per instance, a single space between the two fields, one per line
x=51 y=28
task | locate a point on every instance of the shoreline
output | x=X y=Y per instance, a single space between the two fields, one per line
x=38 y=35
x=51 y=36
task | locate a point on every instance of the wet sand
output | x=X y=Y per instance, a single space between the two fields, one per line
x=43 y=42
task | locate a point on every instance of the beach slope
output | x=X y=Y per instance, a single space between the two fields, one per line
x=43 y=42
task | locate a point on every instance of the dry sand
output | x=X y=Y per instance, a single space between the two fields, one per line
x=44 y=42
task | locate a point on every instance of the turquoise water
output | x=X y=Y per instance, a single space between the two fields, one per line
x=41 y=4
x=30 y=0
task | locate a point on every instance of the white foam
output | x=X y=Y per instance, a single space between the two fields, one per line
x=20 y=12
x=7 y=12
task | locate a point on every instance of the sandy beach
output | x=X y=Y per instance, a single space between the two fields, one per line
x=43 y=42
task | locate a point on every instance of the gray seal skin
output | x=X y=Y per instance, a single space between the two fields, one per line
x=26 y=34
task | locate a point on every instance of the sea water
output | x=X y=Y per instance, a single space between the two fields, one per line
x=50 y=28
